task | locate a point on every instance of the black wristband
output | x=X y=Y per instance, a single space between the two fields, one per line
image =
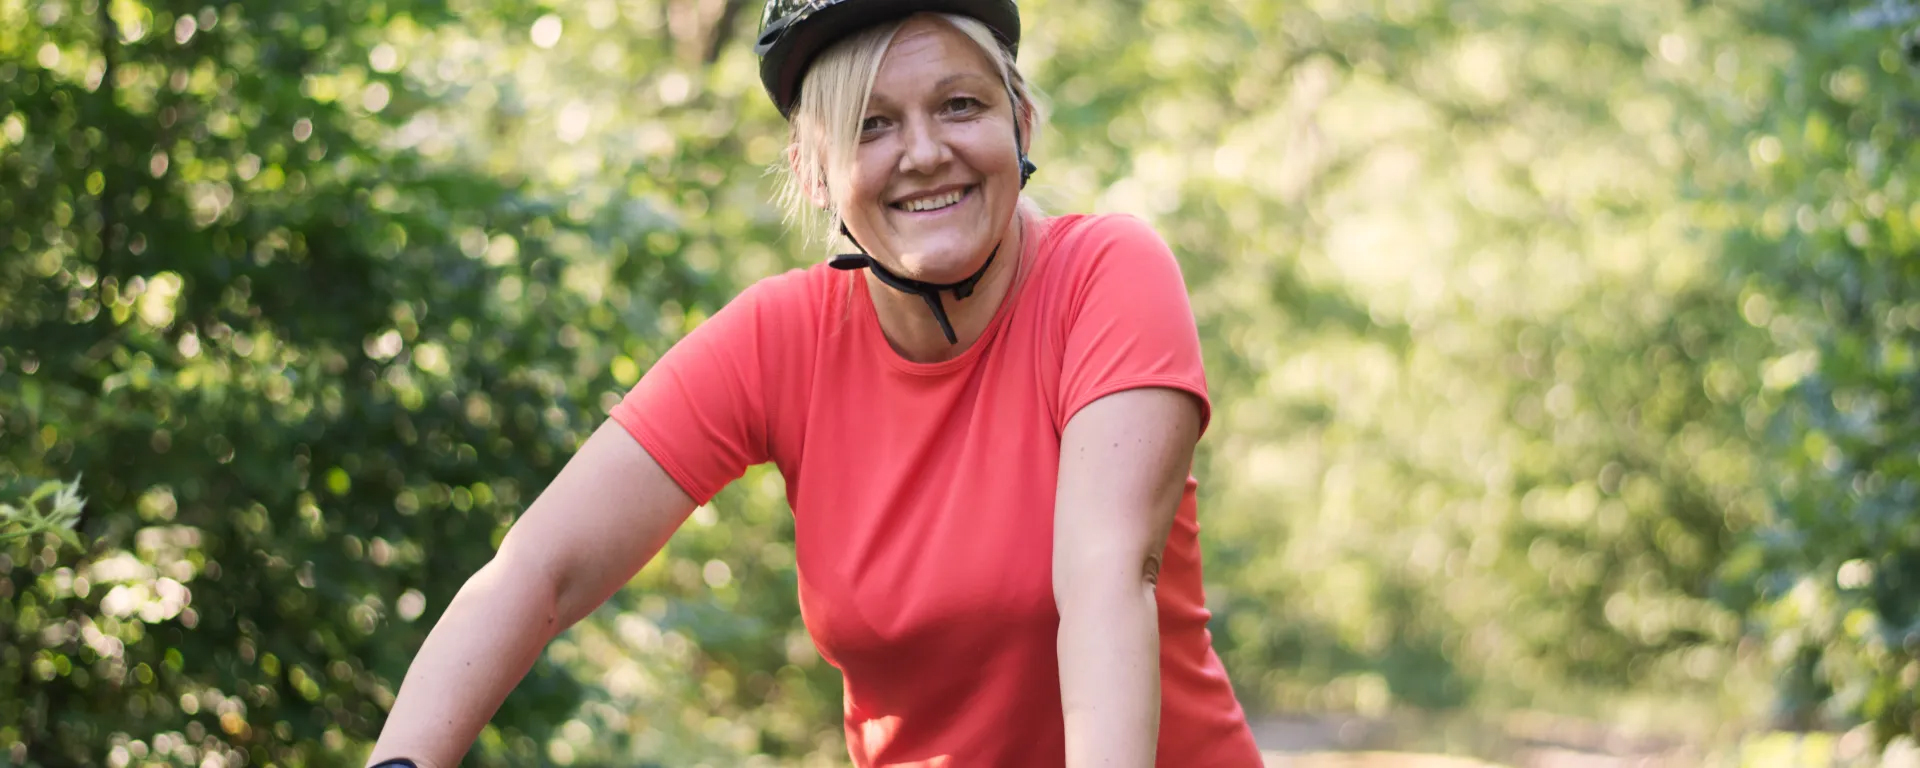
x=399 y=762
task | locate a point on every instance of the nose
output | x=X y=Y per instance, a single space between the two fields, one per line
x=925 y=147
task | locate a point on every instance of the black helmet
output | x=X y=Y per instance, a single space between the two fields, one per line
x=792 y=32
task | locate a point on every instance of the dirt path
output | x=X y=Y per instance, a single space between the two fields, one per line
x=1538 y=740
x=1333 y=741
x=1341 y=742
x=1371 y=760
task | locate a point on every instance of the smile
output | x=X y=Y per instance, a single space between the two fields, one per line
x=934 y=202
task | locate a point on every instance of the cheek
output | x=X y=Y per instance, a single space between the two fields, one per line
x=863 y=182
x=989 y=152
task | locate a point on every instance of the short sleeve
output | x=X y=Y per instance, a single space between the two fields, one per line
x=700 y=411
x=1130 y=324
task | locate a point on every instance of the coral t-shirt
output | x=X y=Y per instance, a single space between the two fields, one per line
x=923 y=493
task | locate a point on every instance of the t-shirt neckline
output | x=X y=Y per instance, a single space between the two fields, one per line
x=876 y=341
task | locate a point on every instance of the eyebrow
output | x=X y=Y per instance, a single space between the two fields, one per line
x=949 y=79
x=940 y=84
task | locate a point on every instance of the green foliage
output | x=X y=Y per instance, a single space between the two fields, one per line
x=1825 y=258
x=1475 y=380
x=62 y=512
x=312 y=377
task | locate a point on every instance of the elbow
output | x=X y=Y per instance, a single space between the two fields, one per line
x=1103 y=578
x=545 y=592
x=1150 y=570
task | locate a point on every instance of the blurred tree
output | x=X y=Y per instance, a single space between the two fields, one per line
x=1824 y=254
x=313 y=376
x=1475 y=375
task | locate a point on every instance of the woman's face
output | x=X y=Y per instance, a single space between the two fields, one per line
x=935 y=177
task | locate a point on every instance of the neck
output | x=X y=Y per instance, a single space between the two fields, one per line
x=911 y=329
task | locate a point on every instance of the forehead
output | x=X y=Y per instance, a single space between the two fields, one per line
x=926 y=51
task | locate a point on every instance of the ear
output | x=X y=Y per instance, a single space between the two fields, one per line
x=816 y=183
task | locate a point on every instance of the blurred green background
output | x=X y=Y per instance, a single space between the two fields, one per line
x=1564 y=358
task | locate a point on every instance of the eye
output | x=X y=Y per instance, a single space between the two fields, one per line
x=872 y=124
x=963 y=104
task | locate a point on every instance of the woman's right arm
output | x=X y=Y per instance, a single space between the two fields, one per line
x=605 y=516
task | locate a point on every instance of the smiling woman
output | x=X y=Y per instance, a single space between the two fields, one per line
x=986 y=421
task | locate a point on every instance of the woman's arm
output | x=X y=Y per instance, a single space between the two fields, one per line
x=609 y=511
x=1124 y=461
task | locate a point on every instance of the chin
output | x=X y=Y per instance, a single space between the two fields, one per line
x=943 y=265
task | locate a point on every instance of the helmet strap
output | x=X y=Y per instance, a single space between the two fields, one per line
x=928 y=292
x=1026 y=164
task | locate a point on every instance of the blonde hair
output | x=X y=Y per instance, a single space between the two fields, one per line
x=825 y=130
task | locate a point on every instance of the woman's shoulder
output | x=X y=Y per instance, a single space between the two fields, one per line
x=1068 y=224
x=1078 y=245
x=1086 y=235
x=772 y=319
x=794 y=295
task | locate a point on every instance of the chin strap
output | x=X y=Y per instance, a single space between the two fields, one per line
x=928 y=292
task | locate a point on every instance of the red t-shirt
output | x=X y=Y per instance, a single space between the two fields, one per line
x=923 y=493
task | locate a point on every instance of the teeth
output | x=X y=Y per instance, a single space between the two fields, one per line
x=933 y=203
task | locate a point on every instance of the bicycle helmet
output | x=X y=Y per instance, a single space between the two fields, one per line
x=793 y=32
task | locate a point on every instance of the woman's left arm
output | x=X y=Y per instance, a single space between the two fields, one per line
x=1124 y=462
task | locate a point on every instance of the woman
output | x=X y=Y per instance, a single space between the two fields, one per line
x=986 y=420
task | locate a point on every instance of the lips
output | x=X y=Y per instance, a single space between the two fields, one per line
x=934 y=201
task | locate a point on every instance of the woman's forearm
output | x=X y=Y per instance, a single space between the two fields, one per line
x=491 y=634
x=1109 y=647
x=609 y=511
x=1124 y=465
